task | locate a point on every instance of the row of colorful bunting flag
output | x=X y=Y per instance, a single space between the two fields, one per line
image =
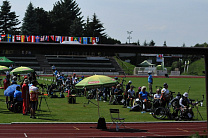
x=47 y=38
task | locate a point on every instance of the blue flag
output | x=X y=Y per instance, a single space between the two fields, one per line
x=84 y=40
x=37 y=38
x=9 y=38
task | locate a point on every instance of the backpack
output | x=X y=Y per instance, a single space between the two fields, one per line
x=101 y=123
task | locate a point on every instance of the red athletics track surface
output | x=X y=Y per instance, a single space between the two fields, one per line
x=160 y=129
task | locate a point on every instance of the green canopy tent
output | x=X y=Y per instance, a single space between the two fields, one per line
x=146 y=64
x=5 y=61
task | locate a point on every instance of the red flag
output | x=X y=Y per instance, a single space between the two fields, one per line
x=52 y=37
x=93 y=40
x=33 y=39
x=18 y=37
x=28 y=38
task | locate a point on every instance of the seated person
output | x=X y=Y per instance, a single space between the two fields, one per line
x=131 y=95
x=184 y=103
x=18 y=95
x=175 y=104
x=137 y=93
x=118 y=93
x=143 y=96
x=157 y=98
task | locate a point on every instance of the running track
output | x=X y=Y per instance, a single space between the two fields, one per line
x=160 y=129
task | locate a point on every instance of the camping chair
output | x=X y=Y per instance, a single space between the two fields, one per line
x=116 y=118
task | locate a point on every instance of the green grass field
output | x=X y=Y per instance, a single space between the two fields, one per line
x=61 y=111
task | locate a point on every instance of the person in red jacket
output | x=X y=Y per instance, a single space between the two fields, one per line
x=26 y=97
x=6 y=82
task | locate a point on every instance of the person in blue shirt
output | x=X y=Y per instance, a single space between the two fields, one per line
x=82 y=78
x=143 y=96
x=150 y=81
x=18 y=94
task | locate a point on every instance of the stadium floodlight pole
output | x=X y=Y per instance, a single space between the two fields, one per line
x=129 y=37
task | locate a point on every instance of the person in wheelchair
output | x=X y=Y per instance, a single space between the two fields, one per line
x=157 y=99
x=143 y=96
x=186 y=111
x=165 y=95
x=131 y=95
x=175 y=104
x=118 y=94
x=18 y=100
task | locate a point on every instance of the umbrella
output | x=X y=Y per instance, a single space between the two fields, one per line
x=21 y=70
x=3 y=68
x=10 y=90
x=96 y=81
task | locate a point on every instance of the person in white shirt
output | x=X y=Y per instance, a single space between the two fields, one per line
x=165 y=93
x=131 y=95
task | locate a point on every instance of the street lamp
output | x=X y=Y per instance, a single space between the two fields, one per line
x=129 y=37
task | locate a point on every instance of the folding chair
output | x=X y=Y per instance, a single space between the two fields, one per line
x=116 y=118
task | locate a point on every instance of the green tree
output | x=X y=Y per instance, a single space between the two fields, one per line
x=96 y=27
x=152 y=43
x=30 y=26
x=8 y=19
x=87 y=28
x=63 y=15
x=164 y=43
x=145 y=43
x=138 y=43
x=77 y=28
x=43 y=21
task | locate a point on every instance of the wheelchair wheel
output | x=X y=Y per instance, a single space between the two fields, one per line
x=159 y=113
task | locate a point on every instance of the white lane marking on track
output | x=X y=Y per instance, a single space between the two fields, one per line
x=76 y=128
x=182 y=130
x=25 y=135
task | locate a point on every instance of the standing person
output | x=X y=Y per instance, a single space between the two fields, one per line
x=165 y=94
x=53 y=68
x=150 y=81
x=6 y=82
x=74 y=77
x=126 y=103
x=26 y=97
x=34 y=92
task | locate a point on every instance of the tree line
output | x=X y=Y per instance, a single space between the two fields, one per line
x=65 y=19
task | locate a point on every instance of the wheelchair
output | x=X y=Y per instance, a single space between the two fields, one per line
x=117 y=99
x=15 y=106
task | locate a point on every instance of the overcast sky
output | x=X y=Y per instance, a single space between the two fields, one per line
x=173 y=21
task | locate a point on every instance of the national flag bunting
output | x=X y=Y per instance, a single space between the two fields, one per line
x=51 y=38
x=9 y=38
x=37 y=38
x=13 y=38
x=22 y=38
x=33 y=38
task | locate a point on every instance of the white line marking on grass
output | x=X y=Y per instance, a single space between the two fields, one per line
x=25 y=135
